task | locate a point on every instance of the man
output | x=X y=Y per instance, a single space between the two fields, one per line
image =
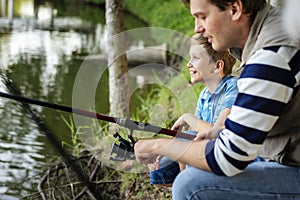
x=264 y=120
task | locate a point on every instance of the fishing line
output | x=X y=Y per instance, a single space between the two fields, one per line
x=127 y=123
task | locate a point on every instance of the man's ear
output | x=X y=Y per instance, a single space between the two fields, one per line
x=236 y=10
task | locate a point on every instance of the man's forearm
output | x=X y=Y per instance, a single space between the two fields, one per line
x=191 y=152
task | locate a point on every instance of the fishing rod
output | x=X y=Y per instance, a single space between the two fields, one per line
x=122 y=149
x=125 y=122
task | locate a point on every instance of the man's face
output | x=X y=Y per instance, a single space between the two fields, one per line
x=213 y=23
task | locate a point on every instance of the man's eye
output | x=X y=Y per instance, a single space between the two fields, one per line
x=201 y=17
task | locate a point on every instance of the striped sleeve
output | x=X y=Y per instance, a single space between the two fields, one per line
x=265 y=86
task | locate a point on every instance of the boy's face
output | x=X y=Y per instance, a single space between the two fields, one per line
x=216 y=25
x=200 y=64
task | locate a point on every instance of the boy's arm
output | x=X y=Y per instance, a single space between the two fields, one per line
x=190 y=120
x=205 y=129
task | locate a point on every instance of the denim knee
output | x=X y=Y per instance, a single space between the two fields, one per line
x=260 y=181
x=165 y=175
x=181 y=184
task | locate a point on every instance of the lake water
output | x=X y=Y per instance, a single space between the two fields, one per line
x=41 y=51
x=39 y=54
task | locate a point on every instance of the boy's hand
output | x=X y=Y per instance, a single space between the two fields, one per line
x=155 y=165
x=180 y=123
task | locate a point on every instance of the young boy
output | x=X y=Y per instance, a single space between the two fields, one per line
x=213 y=69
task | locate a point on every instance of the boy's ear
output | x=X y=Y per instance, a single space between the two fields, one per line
x=236 y=10
x=219 y=66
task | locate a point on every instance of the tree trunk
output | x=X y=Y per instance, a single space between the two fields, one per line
x=116 y=59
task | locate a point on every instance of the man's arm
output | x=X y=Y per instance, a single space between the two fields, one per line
x=265 y=88
x=212 y=133
x=191 y=153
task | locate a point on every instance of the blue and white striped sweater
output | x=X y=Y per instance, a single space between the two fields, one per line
x=266 y=85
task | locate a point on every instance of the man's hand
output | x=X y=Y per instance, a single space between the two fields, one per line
x=209 y=134
x=145 y=151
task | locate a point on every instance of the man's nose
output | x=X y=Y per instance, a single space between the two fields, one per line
x=198 y=27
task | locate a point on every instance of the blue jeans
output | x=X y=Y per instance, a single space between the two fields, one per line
x=168 y=168
x=166 y=173
x=260 y=181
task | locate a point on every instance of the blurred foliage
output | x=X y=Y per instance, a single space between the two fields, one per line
x=170 y=14
x=99 y=2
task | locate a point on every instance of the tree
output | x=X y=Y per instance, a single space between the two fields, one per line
x=117 y=61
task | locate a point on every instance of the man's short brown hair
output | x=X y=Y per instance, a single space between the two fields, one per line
x=250 y=7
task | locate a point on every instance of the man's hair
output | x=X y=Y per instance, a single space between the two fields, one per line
x=228 y=60
x=250 y=7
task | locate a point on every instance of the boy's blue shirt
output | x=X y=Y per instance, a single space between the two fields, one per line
x=209 y=105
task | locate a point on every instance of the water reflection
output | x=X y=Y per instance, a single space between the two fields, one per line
x=38 y=52
x=20 y=149
x=42 y=63
x=43 y=45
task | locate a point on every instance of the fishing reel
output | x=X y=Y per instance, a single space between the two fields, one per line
x=122 y=149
